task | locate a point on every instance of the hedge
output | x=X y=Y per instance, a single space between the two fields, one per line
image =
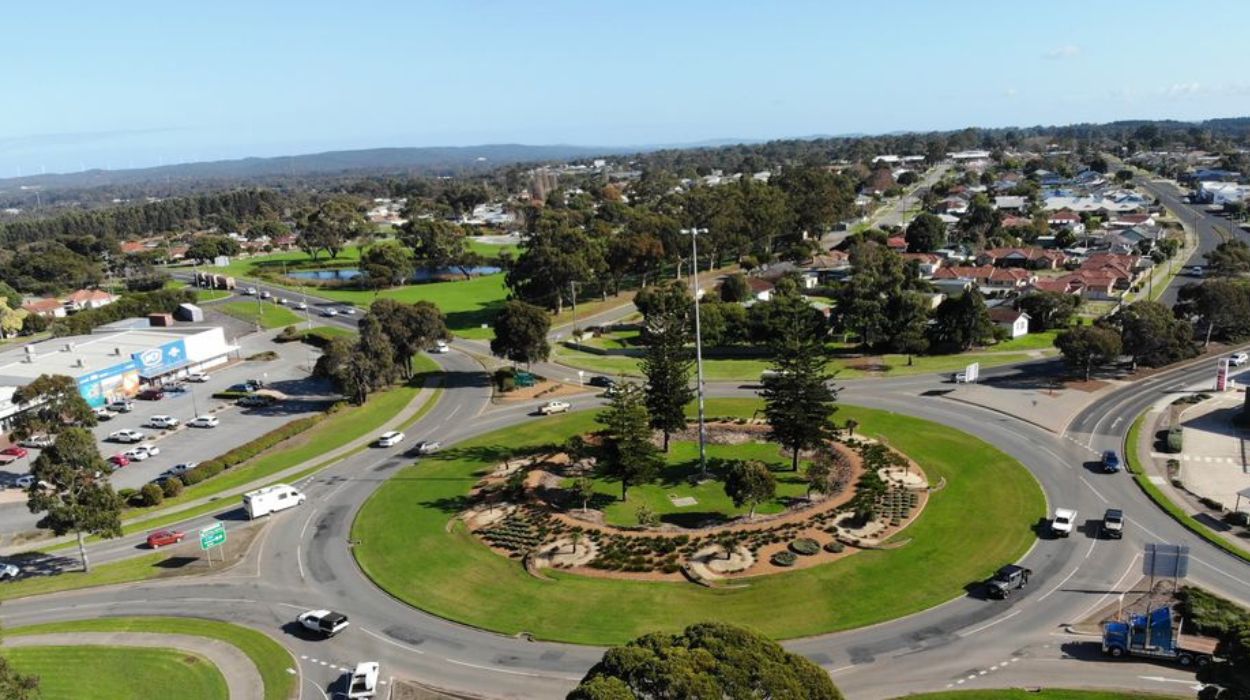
x=1174 y=441
x=248 y=450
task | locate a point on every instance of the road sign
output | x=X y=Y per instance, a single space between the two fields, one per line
x=1166 y=560
x=972 y=373
x=1221 y=375
x=213 y=536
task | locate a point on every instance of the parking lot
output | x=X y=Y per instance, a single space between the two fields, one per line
x=288 y=375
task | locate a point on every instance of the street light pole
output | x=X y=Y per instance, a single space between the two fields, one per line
x=698 y=344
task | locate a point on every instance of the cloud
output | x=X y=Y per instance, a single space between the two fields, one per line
x=1063 y=52
x=1183 y=89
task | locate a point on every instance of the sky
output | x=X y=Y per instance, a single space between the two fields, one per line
x=134 y=84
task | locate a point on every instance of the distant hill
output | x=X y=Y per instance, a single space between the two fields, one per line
x=416 y=161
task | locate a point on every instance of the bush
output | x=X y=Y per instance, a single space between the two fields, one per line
x=805 y=546
x=505 y=379
x=289 y=334
x=172 y=487
x=784 y=558
x=834 y=547
x=126 y=495
x=151 y=495
x=266 y=356
x=1174 y=441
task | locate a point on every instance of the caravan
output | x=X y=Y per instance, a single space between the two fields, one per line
x=271 y=499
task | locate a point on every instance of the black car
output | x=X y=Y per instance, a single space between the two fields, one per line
x=1007 y=579
x=256 y=401
x=1113 y=524
x=601 y=381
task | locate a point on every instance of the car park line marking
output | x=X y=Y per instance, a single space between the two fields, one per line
x=388 y=640
x=1094 y=490
x=510 y=671
x=989 y=624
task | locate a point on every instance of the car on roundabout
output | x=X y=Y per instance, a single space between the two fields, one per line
x=1063 y=523
x=425 y=447
x=1006 y=580
x=1238 y=359
x=327 y=623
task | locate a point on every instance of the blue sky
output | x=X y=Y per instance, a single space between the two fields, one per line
x=95 y=85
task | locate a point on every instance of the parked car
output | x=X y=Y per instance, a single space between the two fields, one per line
x=163 y=538
x=197 y=377
x=203 y=422
x=121 y=406
x=119 y=460
x=142 y=452
x=38 y=441
x=151 y=395
x=102 y=413
x=1063 y=523
x=1113 y=523
x=553 y=407
x=329 y=313
x=390 y=439
x=425 y=447
x=256 y=401
x=1006 y=580
x=9 y=572
x=1196 y=270
x=174 y=388
x=15 y=451
x=163 y=421
x=180 y=469
x=1238 y=359
x=25 y=481
x=1110 y=462
x=126 y=435
x=326 y=622
x=363 y=682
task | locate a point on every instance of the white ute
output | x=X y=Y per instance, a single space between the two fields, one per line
x=553 y=407
x=363 y=682
x=271 y=499
x=325 y=622
x=1063 y=522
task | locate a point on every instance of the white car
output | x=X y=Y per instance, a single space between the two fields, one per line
x=250 y=291
x=1238 y=359
x=24 y=481
x=348 y=310
x=390 y=439
x=1064 y=522
x=440 y=347
x=8 y=572
x=363 y=682
x=122 y=406
x=326 y=622
x=301 y=306
x=552 y=407
x=37 y=441
x=265 y=295
x=142 y=452
x=280 y=301
x=161 y=421
x=198 y=377
x=103 y=413
x=329 y=313
x=126 y=435
x=203 y=422
x=1196 y=271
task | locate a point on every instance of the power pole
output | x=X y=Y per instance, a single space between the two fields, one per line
x=698 y=344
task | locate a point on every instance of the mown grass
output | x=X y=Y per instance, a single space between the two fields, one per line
x=124 y=571
x=203 y=295
x=119 y=673
x=271 y=658
x=1053 y=694
x=405 y=546
x=467 y=303
x=268 y=314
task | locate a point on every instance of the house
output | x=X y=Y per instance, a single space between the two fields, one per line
x=1010 y=221
x=1063 y=217
x=85 y=299
x=761 y=290
x=1132 y=220
x=48 y=308
x=896 y=243
x=1011 y=203
x=1016 y=323
x=1032 y=258
x=830 y=266
x=929 y=263
x=989 y=278
x=133 y=247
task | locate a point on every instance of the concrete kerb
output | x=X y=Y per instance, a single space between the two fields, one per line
x=428 y=390
x=243 y=679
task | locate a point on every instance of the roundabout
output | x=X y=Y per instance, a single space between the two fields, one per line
x=410 y=540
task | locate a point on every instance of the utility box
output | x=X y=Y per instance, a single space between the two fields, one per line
x=525 y=379
x=189 y=312
x=161 y=320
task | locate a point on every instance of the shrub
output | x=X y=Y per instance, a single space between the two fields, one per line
x=126 y=495
x=266 y=356
x=151 y=495
x=505 y=379
x=288 y=335
x=172 y=488
x=1239 y=518
x=1174 y=441
x=784 y=558
x=805 y=546
x=834 y=547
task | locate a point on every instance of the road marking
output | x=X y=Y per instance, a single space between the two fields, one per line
x=1221 y=571
x=1098 y=603
x=1059 y=585
x=299 y=560
x=1090 y=551
x=841 y=669
x=1094 y=490
x=988 y=625
x=1164 y=679
x=388 y=640
x=509 y=671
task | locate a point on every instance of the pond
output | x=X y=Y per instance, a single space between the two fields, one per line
x=421 y=275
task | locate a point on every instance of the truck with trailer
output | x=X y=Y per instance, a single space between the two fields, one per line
x=1156 y=635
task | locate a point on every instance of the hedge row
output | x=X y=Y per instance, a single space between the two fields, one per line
x=248 y=450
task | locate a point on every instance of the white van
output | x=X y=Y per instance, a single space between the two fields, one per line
x=271 y=499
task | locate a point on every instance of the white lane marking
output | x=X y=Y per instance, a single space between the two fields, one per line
x=841 y=669
x=299 y=560
x=388 y=640
x=1132 y=565
x=1090 y=551
x=1094 y=490
x=509 y=671
x=1059 y=585
x=989 y=624
x=319 y=690
x=1220 y=571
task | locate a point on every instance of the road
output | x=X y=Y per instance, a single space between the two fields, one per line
x=1210 y=229
x=895 y=213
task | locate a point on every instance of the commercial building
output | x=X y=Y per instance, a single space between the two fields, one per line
x=113 y=363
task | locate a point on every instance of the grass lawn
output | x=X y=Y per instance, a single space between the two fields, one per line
x=1054 y=694
x=467 y=303
x=124 y=571
x=203 y=295
x=683 y=462
x=1033 y=341
x=117 y=673
x=404 y=545
x=491 y=250
x=269 y=315
x=271 y=658
x=273 y=262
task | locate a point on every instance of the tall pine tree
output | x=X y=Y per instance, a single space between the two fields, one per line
x=798 y=400
x=667 y=364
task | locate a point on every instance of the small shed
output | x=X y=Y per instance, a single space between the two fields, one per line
x=189 y=312
x=161 y=320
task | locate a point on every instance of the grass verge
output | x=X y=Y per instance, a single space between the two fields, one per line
x=1161 y=499
x=1053 y=694
x=268 y=314
x=124 y=571
x=107 y=673
x=271 y=658
x=405 y=547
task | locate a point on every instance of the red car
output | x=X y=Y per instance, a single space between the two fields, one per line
x=160 y=538
x=151 y=395
x=14 y=451
x=119 y=460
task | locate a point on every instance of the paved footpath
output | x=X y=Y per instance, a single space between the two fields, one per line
x=243 y=679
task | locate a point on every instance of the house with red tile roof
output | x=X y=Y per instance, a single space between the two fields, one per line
x=132 y=247
x=48 y=308
x=84 y=299
x=1063 y=217
x=989 y=278
x=896 y=243
x=1033 y=258
x=929 y=263
x=761 y=289
x=1016 y=323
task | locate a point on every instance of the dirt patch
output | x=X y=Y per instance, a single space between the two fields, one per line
x=1087 y=386
x=410 y=690
x=543 y=390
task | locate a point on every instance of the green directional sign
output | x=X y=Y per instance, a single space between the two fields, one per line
x=213 y=536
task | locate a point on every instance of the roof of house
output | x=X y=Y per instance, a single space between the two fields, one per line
x=1003 y=314
x=1029 y=253
x=129 y=247
x=1064 y=215
x=759 y=285
x=899 y=242
x=42 y=306
x=831 y=259
x=930 y=258
x=86 y=295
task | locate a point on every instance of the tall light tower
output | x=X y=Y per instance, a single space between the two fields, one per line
x=698 y=342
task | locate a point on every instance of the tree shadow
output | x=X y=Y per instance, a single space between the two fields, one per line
x=449 y=504
x=693 y=520
x=176 y=562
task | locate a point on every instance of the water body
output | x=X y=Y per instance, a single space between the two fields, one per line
x=421 y=275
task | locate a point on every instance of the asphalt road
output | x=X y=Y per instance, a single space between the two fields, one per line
x=1210 y=229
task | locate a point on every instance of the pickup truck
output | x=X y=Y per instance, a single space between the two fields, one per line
x=1113 y=523
x=1063 y=522
x=363 y=682
x=325 y=622
x=1006 y=580
x=553 y=407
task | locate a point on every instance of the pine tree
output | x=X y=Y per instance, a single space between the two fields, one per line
x=667 y=364
x=798 y=400
x=628 y=454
